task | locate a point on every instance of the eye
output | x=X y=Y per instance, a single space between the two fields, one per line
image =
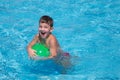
x=40 y=26
x=45 y=26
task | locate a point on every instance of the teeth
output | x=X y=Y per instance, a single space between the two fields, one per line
x=43 y=33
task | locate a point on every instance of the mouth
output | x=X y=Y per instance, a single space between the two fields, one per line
x=43 y=34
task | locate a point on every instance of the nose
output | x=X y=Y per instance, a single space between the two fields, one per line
x=41 y=28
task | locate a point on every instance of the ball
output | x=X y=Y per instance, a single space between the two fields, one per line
x=41 y=50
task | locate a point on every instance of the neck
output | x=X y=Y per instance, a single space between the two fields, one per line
x=42 y=40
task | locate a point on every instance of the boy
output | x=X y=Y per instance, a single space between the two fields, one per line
x=46 y=37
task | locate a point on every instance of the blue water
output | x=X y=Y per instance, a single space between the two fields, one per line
x=88 y=29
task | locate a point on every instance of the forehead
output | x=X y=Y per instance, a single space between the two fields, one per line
x=44 y=24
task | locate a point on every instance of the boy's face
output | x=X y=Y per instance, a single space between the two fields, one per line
x=44 y=30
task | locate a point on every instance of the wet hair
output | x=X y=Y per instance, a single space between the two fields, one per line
x=46 y=19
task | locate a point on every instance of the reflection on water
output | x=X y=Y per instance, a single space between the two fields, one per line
x=88 y=30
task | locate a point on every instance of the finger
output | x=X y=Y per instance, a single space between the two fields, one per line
x=34 y=50
x=34 y=54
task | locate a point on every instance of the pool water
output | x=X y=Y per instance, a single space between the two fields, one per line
x=88 y=29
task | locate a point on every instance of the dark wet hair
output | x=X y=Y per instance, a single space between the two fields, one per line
x=46 y=19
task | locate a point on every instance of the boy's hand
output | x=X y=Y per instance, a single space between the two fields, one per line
x=31 y=53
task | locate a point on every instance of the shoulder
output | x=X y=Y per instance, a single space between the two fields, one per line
x=52 y=38
x=36 y=37
x=52 y=41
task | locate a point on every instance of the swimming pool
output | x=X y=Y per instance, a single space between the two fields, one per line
x=88 y=29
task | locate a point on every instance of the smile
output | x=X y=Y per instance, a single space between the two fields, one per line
x=43 y=34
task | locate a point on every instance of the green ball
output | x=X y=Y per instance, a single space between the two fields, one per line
x=41 y=50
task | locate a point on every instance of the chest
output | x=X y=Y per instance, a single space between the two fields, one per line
x=45 y=42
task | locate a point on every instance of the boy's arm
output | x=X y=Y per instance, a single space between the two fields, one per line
x=35 y=39
x=53 y=47
x=29 y=47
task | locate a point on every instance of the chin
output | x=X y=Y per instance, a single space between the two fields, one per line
x=43 y=37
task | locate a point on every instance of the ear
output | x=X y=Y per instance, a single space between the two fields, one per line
x=51 y=29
